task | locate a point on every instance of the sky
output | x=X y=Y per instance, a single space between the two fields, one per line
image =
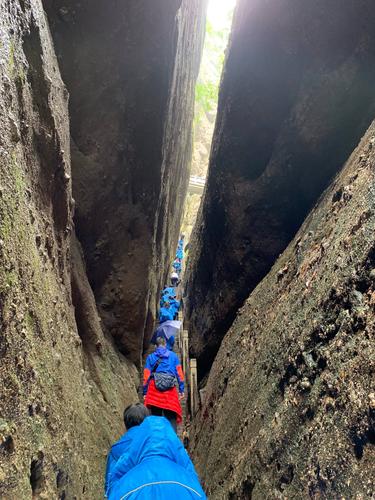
x=218 y=11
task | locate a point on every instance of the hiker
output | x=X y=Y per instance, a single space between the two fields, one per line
x=174 y=279
x=177 y=266
x=174 y=306
x=167 y=293
x=133 y=417
x=167 y=297
x=161 y=371
x=156 y=466
x=180 y=253
x=166 y=313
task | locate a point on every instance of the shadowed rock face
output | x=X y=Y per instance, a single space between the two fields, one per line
x=296 y=96
x=290 y=403
x=130 y=68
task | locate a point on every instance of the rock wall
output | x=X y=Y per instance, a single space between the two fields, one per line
x=62 y=394
x=289 y=409
x=296 y=96
x=130 y=68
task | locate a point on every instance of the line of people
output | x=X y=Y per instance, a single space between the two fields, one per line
x=163 y=367
x=149 y=461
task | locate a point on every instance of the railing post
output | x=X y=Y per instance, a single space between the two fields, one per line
x=193 y=387
x=202 y=395
x=180 y=318
x=185 y=351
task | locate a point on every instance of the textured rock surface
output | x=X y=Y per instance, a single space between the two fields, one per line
x=296 y=97
x=63 y=388
x=289 y=410
x=130 y=68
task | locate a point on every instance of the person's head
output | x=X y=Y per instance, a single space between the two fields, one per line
x=161 y=341
x=166 y=304
x=134 y=415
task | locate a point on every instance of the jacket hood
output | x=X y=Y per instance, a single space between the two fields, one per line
x=123 y=443
x=162 y=352
x=154 y=438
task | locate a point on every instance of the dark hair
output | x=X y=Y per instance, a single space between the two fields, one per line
x=134 y=415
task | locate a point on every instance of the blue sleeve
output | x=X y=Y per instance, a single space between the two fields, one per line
x=122 y=466
x=147 y=372
x=183 y=459
x=149 y=362
x=110 y=465
x=179 y=374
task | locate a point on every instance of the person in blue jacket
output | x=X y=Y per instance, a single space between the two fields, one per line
x=133 y=416
x=174 y=306
x=179 y=253
x=167 y=294
x=166 y=313
x=155 y=467
x=169 y=291
x=177 y=266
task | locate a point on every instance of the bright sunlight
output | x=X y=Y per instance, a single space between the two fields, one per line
x=219 y=11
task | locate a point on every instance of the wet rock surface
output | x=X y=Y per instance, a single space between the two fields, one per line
x=289 y=404
x=296 y=97
x=130 y=68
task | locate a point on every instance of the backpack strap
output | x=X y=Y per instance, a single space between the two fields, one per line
x=155 y=367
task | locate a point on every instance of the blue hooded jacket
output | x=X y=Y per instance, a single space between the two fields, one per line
x=166 y=298
x=117 y=450
x=177 y=265
x=166 y=314
x=169 y=291
x=174 y=305
x=155 y=467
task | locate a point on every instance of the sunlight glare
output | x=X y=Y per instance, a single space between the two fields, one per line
x=218 y=12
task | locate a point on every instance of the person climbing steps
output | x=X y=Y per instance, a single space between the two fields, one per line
x=154 y=466
x=133 y=416
x=162 y=370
